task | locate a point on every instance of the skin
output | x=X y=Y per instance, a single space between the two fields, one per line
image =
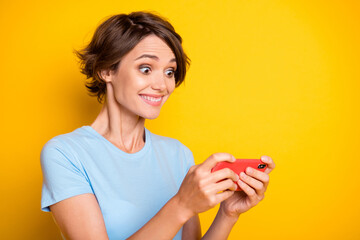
x=149 y=69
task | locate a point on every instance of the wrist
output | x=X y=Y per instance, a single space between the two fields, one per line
x=229 y=217
x=183 y=213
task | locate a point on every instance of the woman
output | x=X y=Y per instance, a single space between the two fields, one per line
x=117 y=180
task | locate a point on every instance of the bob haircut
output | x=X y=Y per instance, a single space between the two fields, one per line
x=117 y=36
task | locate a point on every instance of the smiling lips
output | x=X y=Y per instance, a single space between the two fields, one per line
x=154 y=100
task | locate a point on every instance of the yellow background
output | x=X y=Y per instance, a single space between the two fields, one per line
x=277 y=78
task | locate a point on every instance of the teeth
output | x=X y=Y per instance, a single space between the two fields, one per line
x=151 y=98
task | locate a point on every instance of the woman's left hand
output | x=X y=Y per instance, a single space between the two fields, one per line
x=254 y=184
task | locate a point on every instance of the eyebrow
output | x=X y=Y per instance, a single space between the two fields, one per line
x=153 y=57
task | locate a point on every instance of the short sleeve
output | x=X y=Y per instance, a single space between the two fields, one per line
x=63 y=177
x=189 y=158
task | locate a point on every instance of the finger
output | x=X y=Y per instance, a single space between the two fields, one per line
x=209 y=163
x=223 y=196
x=270 y=163
x=224 y=174
x=224 y=185
x=261 y=176
x=250 y=192
x=253 y=183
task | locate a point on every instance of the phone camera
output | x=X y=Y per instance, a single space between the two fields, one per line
x=261 y=166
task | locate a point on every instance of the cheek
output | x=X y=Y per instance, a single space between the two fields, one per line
x=123 y=88
x=171 y=86
x=129 y=83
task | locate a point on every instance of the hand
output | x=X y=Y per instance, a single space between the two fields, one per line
x=254 y=184
x=202 y=190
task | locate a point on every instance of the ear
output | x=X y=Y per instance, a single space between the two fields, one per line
x=105 y=75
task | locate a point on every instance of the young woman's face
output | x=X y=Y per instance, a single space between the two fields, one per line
x=145 y=77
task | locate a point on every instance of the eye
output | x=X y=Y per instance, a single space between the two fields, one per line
x=170 y=72
x=145 y=69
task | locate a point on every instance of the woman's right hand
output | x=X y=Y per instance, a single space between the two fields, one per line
x=201 y=189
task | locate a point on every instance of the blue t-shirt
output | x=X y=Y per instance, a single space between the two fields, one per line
x=129 y=187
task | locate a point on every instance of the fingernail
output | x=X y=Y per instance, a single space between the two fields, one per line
x=249 y=170
x=233 y=158
x=242 y=175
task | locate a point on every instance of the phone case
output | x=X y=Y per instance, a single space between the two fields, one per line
x=240 y=165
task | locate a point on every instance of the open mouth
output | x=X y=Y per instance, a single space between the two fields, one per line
x=155 y=101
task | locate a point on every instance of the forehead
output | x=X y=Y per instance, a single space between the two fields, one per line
x=152 y=45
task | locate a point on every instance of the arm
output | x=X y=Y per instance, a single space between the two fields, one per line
x=220 y=227
x=192 y=229
x=200 y=191
x=165 y=224
x=254 y=184
x=79 y=217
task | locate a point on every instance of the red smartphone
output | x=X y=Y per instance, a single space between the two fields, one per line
x=240 y=165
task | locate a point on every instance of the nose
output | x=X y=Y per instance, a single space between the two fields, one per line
x=159 y=82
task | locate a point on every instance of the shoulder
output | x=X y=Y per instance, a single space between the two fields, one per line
x=168 y=143
x=68 y=139
x=63 y=147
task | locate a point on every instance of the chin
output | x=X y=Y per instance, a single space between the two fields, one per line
x=151 y=118
x=150 y=115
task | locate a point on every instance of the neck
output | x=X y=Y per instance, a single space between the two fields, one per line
x=119 y=126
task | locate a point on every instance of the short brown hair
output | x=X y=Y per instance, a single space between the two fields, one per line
x=117 y=36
